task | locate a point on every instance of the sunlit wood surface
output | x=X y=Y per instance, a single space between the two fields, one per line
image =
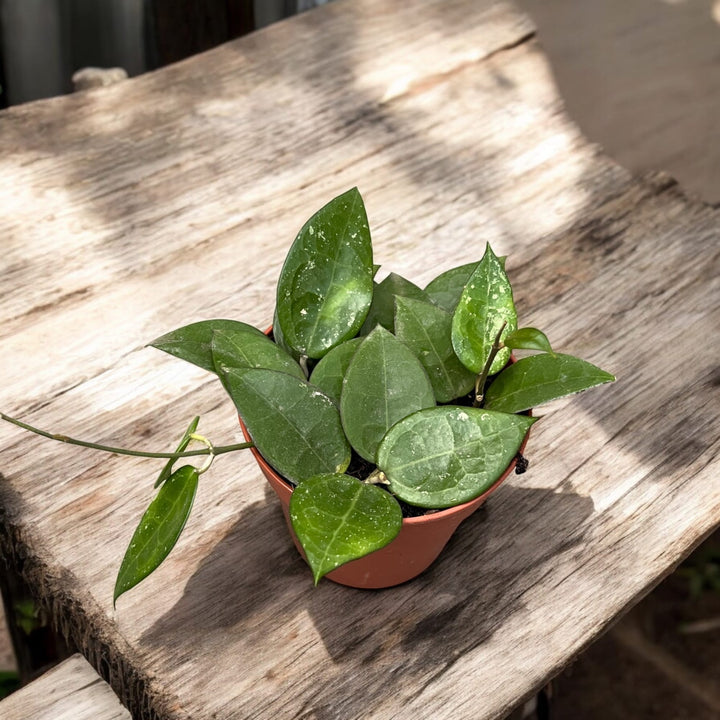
x=70 y=691
x=173 y=197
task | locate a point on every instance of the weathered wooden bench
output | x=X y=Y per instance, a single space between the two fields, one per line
x=173 y=197
x=70 y=691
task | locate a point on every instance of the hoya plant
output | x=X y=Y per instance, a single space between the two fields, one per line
x=373 y=400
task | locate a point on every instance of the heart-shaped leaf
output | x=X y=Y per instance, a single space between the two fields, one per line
x=159 y=529
x=184 y=442
x=294 y=425
x=485 y=303
x=528 y=339
x=325 y=286
x=384 y=383
x=329 y=373
x=243 y=346
x=425 y=329
x=382 y=309
x=448 y=455
x=445 y=290
x=540 y=378
x=338 y=518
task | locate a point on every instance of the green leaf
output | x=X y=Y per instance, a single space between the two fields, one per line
x=384 y=383
x=338 y=518
x=382 y=310
x=295 y=426
x=159 y=529
x=279 y=339
x=250 y=350
x=244 y=346
x=445 y=290
x=484 y=304
x=528 y=339
x=184 y=442
x=448 y=455
x=425 y=329
x=540 y=378
x=330 y=372
x=325 y=286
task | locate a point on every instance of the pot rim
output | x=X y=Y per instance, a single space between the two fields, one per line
x=419 y=519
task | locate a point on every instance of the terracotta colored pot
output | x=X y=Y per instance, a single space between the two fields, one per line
x=420 y=541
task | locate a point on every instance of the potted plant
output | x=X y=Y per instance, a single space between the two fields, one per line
x=380 y=412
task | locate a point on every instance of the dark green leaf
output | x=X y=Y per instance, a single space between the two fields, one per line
x=279 y=339
x=384 y=383
x=528 y=339
x=184 y=442
x=295 y=426
x=325 y=285
x=338 y=518
x=159 y=529
x=540 y=378
x=251 y=348
x=484 y=304
x=382 y=310
x=425 y=329
x=445 y=290
x=448 y=455
x=330 y=372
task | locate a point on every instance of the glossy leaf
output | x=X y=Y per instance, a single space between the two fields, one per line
x=484 y=304
x=448 y=455
x=184 y=442
x=295 y=426
x=384 y=383
x=445 y=290
x=528 y=339
x=159 y=529
x=251 y=348
x=325 y=286
x=330 y=372
x=279 y=339
x=540 y=378
x=382 y=310
x=338 y=518
x=425 y=329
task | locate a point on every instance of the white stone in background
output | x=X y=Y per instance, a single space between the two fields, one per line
x=93 y=77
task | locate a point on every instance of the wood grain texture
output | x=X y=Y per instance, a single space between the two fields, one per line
x=70 y=691
x=174 y=197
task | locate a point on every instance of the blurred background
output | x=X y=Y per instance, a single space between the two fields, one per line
x=43 y=42
x=639 y=77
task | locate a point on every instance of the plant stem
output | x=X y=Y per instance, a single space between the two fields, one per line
x=219 y=450
x=483 y=376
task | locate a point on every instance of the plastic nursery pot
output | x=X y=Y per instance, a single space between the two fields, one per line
x=420 y=541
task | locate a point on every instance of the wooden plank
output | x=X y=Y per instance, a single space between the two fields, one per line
x=70 y=691
x=174 y=197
